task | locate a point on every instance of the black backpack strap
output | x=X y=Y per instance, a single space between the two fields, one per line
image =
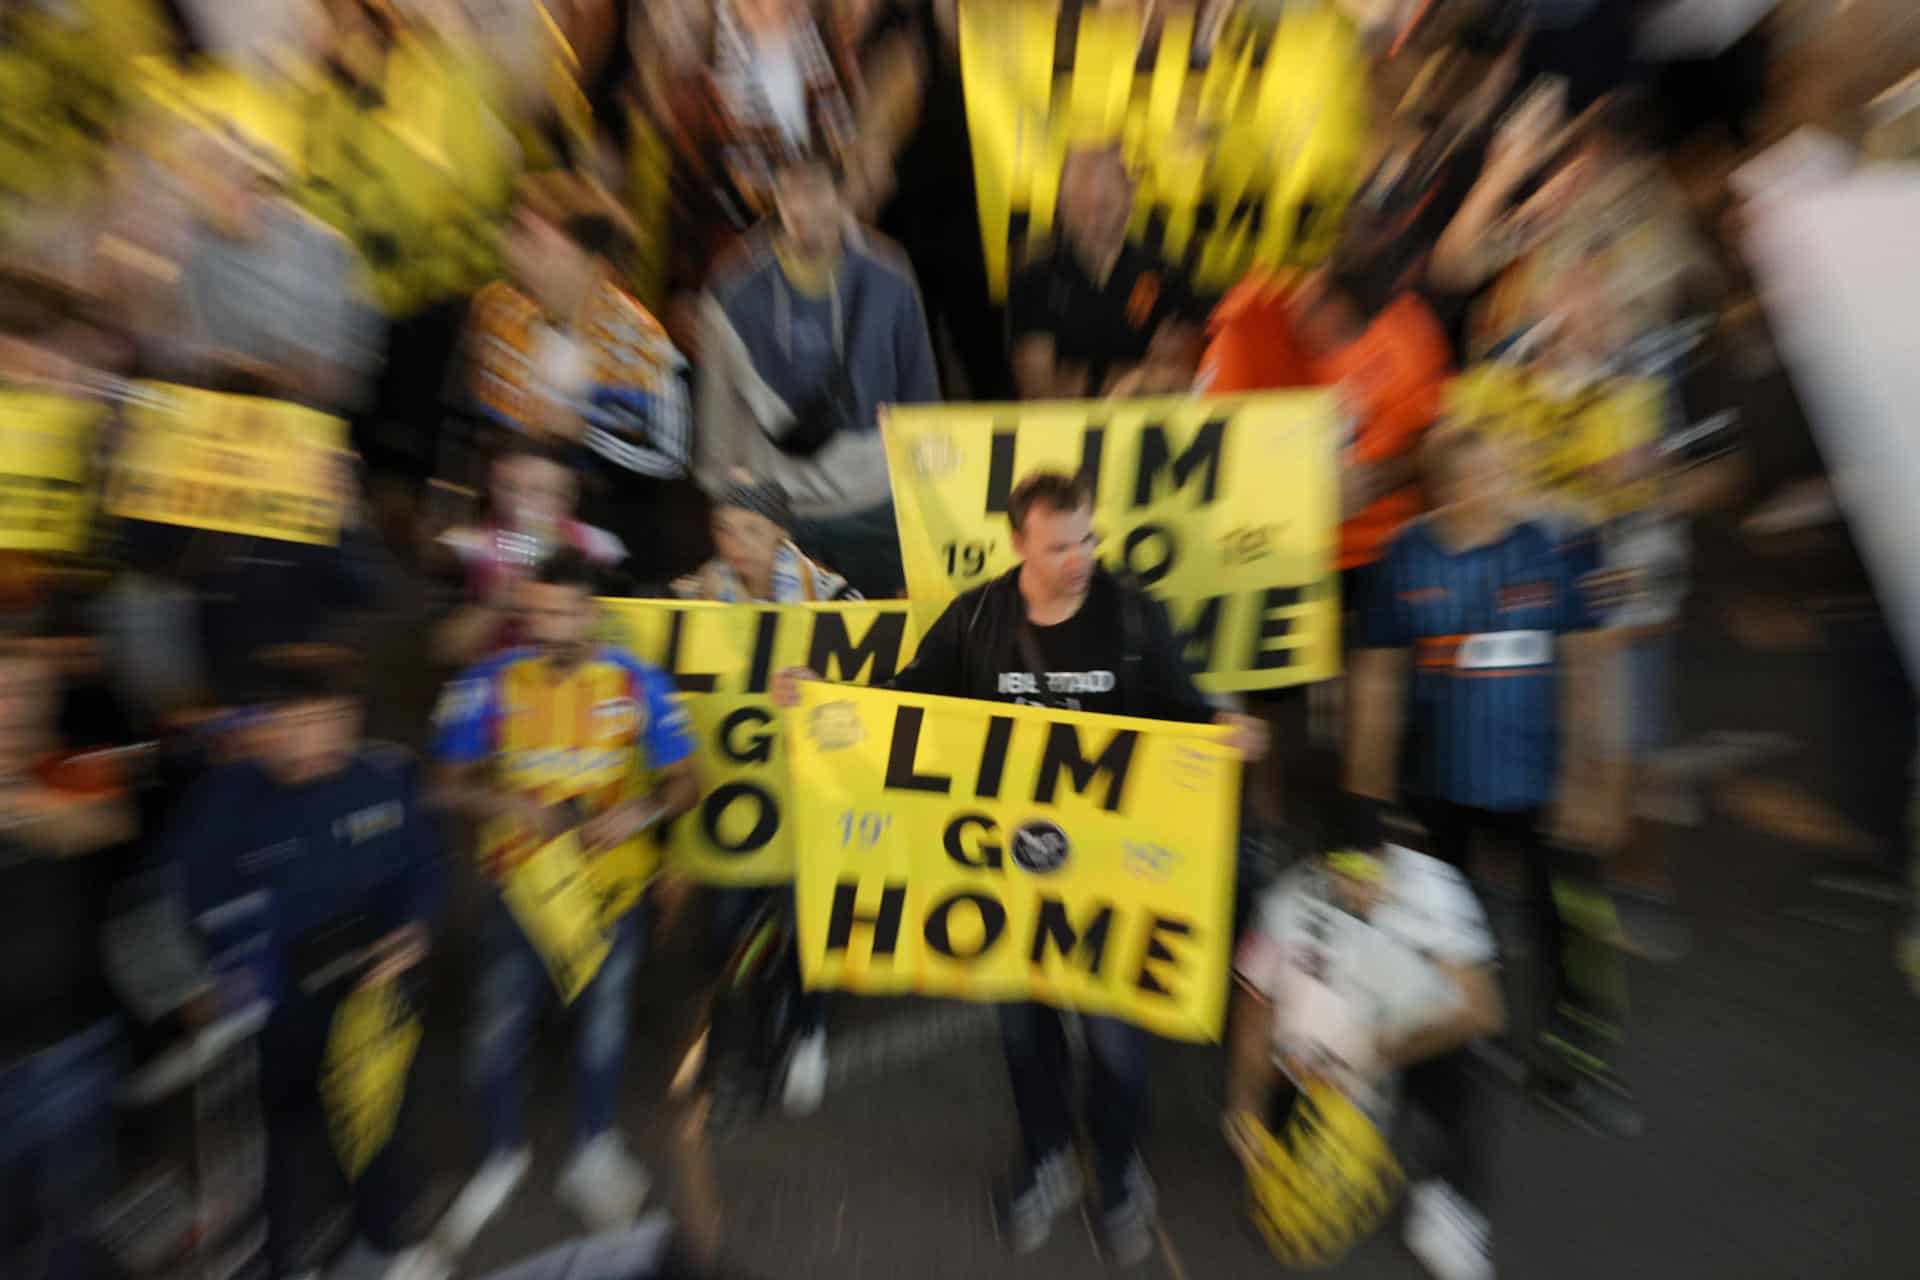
x=1133 y=646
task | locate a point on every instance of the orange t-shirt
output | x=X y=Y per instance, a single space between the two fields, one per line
x=1394 y=372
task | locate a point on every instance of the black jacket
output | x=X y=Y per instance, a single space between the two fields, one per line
x=964 y=652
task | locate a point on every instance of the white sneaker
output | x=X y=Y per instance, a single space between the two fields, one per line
x=604 y=1184
x=484 y=1196
x=806 y=1075
x=1448 y=1235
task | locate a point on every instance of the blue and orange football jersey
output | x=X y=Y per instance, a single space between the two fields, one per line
x=1483 y=625
x=591 y=738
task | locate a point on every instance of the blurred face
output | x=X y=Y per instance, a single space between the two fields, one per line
x=531 y=494
x=1096 y=198
x=559 y=620
x=812 y=216
x=237 y=196
x=746 y=540
x=302 y=742
x=1057 y=549
x=1470 y=473
x=545 y=265
x=1325 y=321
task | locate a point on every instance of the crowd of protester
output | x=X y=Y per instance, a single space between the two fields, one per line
x=201 y=844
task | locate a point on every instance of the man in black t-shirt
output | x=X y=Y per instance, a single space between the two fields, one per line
x=1091 y=314
x=1060 y=631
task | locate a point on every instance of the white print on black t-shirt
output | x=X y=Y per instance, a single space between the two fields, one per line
x=1022 y=685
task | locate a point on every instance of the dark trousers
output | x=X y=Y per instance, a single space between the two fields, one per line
x=1040 y=1066
x=732 y=911
x=1445 y=1091
x=303 y=1174
x=1582 y=991
x=57 y=1161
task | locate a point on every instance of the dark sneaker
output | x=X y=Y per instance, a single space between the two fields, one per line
x=1126 y=1226
x=1024 y=1210
x=1600 y=1106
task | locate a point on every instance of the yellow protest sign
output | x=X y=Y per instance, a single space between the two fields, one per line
x=1247 y=140
x=1593 y=446
x=63 y=78
x=1225 y=509
x=363 y=1075
x=43 y=470
x=237 y=464
x=723 y=657
x=419 y=184
x=553 y=896
x=992 y=852
x=417 y=177
x=1324 y=1183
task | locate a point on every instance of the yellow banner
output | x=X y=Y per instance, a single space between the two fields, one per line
x=63 y=78
x=44 y=501
x=1324 y=1183
x=237 y=464
x=1247 y=143
x=1225 y=509
x=554 y=896
x=363 y=1076
x=1593 y=447
x=723 y=658
x=991 y=852
x=418 y=181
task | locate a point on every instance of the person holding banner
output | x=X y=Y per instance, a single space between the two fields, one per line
x=1060 y=631
x=1474 y=627
x=758 y=563
x=266 y=301
x=1093 y=314
x=1370 y=969
x=551 y=745
x=311 y=873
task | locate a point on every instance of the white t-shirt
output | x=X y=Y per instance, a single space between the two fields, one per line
x=1341 y=985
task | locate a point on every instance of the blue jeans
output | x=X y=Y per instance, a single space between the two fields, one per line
x=56 y=1150
x=514 y=988
x=863 y=548
x=1041 y=1070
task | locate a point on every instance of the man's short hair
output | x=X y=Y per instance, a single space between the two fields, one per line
x=568 y=567
x=580 y=210
x=1054 y=490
